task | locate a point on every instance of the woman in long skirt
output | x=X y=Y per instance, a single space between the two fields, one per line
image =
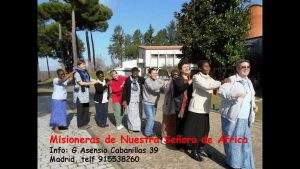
x=197 y=122
x=168 y=128
x=238 y=113
x=132 y=97
x=59 y=103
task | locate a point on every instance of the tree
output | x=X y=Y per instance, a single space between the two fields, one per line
x=92 y=16
x=47 y=38
x=213 y=30
x=116 y=48
x=137 y=37
x=136 y=42
x=148 y=36
x=74 y=4
x=88 y=48
x=172 y=33
x=48 y=43
x=93 y=50
x=161 y=38
x=128 y=47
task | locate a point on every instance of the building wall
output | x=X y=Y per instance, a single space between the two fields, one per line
x=151 y=61
x=255 y=21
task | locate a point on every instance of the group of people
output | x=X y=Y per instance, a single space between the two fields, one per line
x=186 y=105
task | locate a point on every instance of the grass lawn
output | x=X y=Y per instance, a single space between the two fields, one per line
x=215 y=104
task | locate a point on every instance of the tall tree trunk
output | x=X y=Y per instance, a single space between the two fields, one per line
x=49 y=76
x=93 y=51
x=59 y=32
x=88 y=49
x=74 y=46
x=61 y=56
x=38 y=71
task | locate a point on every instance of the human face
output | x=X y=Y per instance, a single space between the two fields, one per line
x=61 y=74
x=185 y=69
x=82 y=66
x=135 y=74
x=114 y=75
x=100 y=77
x=205 y=69
x=244 y=69
x=153 y=75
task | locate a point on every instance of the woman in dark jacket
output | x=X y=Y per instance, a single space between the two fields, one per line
x=132 y=99
x=101 y=100
x=182 y=92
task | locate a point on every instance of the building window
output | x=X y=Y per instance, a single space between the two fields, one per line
x=153 y=61
x=170 y=58
x=162 y=60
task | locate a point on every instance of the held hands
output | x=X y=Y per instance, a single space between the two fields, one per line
x=180 y=114
x=256 y=108
x=124 y=105
x=93 y=81
x=226 y=80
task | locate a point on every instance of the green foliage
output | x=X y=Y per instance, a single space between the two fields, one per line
x=161 y=38
x=48 y=43
x=129 y=47
x=213 y=30
x=148 y=36
x=172 y=33
x=92 y=16
x=116 y=48
x=57 y=11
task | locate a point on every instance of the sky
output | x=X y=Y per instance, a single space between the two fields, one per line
x=131 y=15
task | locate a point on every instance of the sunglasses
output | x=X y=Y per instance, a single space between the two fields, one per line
x=245 y=67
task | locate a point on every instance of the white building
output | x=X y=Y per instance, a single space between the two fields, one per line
x=152 y=56
x=158 y=56
x=127 y=65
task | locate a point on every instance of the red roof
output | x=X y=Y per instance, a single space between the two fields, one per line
x=160 y=47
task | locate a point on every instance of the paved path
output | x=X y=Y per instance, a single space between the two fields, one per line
x=166 y=157
x=44 y=132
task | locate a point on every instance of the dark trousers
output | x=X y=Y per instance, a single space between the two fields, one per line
x=101 y=113
x=83 y=116
x=180 y=124
x=197 y=125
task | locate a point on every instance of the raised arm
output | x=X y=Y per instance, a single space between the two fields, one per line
x=67 y=78
x=79 y=81
x=153 y=87
x=201 y=83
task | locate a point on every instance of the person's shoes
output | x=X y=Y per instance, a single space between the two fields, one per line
x=85 y=127
x=202 y=153
x=119 y=127
x=103 y=126
x=57 y=131
x=196 y=156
